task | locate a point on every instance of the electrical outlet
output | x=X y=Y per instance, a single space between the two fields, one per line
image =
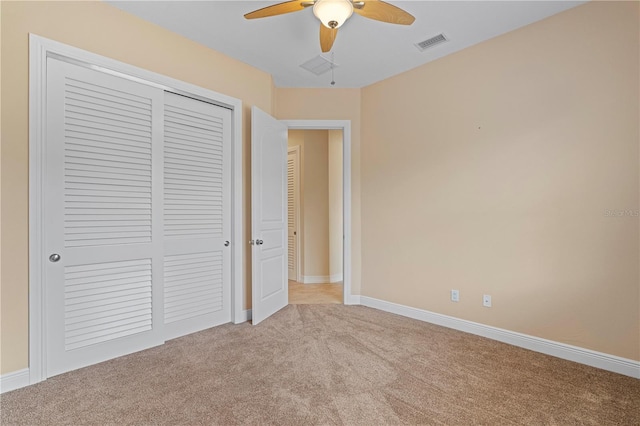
x=486 y=300
x=455 y=296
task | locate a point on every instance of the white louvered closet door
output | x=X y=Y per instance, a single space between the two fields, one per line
x=102 y=217
x=197 y=215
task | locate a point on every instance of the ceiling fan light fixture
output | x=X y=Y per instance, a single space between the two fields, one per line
x=333 y=13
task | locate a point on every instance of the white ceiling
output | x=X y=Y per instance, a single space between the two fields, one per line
x=365 y=50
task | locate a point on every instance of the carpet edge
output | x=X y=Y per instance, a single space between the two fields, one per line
x=616 y=364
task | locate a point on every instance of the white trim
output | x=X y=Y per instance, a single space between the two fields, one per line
x=601 y=360
x=245 y=316
x=345 y=126
x=238 y=241
x=37 y=105
x=39 y=49
x=14 y=380
x=320 y=279
x=355 y=299
x=315 y=279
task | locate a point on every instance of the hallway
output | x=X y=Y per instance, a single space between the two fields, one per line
x=305 y=294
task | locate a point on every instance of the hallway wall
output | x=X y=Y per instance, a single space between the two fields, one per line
x=314 y=205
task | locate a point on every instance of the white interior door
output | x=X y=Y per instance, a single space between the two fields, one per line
x=268 y=215
x=197 y=215
x=292 y=212
x=103 y=231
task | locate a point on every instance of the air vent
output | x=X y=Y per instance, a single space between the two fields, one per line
x=319 y=65
x=423 y=45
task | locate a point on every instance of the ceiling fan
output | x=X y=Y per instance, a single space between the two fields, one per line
x=333 y=13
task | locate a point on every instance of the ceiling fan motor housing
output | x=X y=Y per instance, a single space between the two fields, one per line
x=333 y=13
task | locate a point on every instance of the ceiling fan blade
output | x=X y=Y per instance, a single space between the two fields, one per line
x=277 y=9
x=385 y=12
x=327 y=37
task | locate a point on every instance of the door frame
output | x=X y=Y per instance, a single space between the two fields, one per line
x=40 y=49
x=345 y=126
x=295 y=150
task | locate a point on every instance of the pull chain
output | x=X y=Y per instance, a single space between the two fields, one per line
x=333 y=80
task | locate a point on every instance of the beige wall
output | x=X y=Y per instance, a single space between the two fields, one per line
x=335 y=205
x=315 y=191
x=102 y=29
x=331 y=104
x=490 y=171
x=314 y=203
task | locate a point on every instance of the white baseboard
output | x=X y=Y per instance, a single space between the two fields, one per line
x=315 y=279
x=321 y=279
x=600 y=360
x=243 y=316
x=19 y=379
x=15 y=380
x=353 y=299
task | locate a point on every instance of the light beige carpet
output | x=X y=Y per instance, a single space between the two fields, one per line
x=330 y=364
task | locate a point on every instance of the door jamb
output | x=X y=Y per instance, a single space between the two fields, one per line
x=345 y=126
x=40 y=49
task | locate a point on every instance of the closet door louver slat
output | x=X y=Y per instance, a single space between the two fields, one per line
x=109 y=286
x=196 y=215
x=137 y=205
x=91 y=116
x=102 y=216
x=291 y=212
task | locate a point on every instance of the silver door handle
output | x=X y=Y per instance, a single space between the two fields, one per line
x=259 y=242
x=226 y=243
x=54 y=257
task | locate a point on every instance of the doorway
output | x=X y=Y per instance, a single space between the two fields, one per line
x=315 y=216
x=269 y=246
